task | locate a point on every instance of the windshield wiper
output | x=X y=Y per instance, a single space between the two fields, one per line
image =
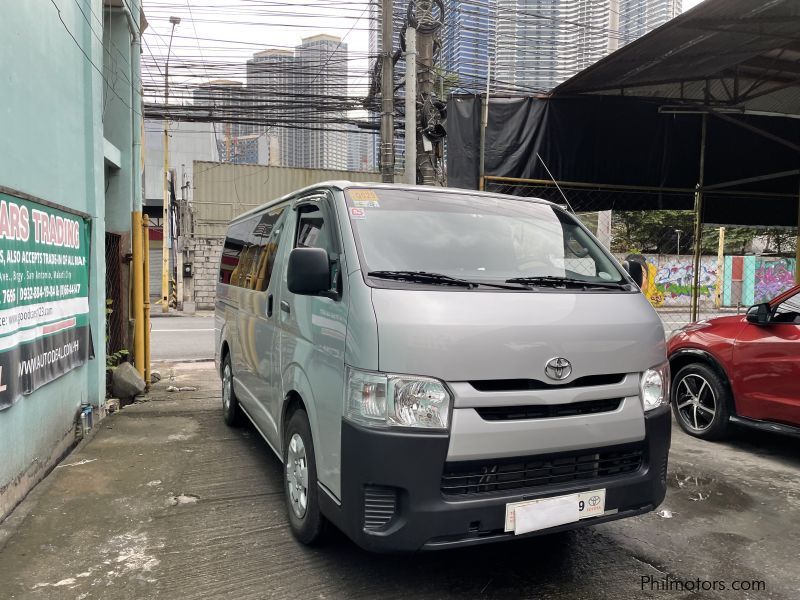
x=422 y=277
x=438 y=279
x=554 y=281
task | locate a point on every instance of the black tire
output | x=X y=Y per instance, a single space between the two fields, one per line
x=231 y=412
x=701 y=402
x=307 y=523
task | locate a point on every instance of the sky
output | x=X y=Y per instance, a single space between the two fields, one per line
x=216 y=37
x=223 y=34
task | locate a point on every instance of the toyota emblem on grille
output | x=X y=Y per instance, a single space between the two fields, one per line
x=558 y=368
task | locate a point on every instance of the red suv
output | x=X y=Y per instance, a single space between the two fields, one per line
x=741 y=369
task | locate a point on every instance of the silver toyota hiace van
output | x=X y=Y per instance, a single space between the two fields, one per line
x=438 y=367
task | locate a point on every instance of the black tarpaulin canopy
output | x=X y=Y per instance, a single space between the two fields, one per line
x=634 y=120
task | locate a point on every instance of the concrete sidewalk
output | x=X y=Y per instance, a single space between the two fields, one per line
x=162 y=501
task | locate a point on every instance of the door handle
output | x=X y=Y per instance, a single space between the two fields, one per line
x=285 y=307
x=270 y=301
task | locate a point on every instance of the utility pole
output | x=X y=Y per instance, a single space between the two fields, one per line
x=166 y=211
x=484 y=126
x=426 y=81
x=411 y=106
x=698 y=225
x=387 y=93
x=180 y=239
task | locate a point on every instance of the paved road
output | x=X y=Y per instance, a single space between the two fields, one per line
x=182 y=338
x=167 y=502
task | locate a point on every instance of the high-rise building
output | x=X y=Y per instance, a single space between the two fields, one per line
x=273 y=78
x=533 y=45
x=225 y=101
x=323 y=70
x=468 y=43
x=296 y=94
x=638 y=17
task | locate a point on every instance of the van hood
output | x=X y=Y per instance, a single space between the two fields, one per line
x=470 y=335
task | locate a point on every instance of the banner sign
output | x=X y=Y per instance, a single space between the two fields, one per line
x=44 y=296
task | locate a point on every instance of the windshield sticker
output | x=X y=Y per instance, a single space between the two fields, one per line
x=363 y=195
x=366 y=203
x=358 y=213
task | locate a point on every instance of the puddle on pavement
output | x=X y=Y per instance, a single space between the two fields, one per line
x=705 y=493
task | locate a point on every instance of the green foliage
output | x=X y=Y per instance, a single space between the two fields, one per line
x=652 y=232
x=655 y=232
x=113 y=359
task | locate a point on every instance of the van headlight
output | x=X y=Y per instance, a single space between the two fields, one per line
x=655 y=387
x=385 y=400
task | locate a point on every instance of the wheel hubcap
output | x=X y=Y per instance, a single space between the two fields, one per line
x=297 y=475
x=227 y=391
x=696 y=402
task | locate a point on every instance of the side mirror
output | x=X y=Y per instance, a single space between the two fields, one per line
x=760 y=314
x=636 y=270
x=309 y=272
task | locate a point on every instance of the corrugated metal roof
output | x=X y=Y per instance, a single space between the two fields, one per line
x=733 y=54
x=223 y=191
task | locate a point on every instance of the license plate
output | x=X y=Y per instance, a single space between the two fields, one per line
x=533 y=515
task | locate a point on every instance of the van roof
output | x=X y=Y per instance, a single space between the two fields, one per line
x=345 y=185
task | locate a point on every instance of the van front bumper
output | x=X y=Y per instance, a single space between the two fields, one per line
x=392 y=498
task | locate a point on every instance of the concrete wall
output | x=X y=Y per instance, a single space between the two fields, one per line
x=52 y=118
x=205 y=253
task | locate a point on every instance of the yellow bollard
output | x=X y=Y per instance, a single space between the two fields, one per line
x=146 y=300
x=137 y=307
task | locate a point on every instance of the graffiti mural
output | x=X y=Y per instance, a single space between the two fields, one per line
x=670 y=280
x=772 y=277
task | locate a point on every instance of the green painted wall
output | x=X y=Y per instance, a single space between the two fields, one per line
x=52 y=118
x=117 y=124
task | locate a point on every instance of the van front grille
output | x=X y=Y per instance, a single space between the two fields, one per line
x=475 y=477
x=520 y=385
x=548 y=411
x=380 y=505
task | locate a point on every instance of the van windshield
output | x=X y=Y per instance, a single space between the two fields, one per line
x=475 y=238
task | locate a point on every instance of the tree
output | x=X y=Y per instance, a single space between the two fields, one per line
x=656 y=232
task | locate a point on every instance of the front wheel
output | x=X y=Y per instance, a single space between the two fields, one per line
x=300 y=482
x=700 y=402
x=231 y=412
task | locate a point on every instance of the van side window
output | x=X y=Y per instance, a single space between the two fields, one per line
x=271 y=227
x=313 y=231
x=316 y=230
x=249 y=251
